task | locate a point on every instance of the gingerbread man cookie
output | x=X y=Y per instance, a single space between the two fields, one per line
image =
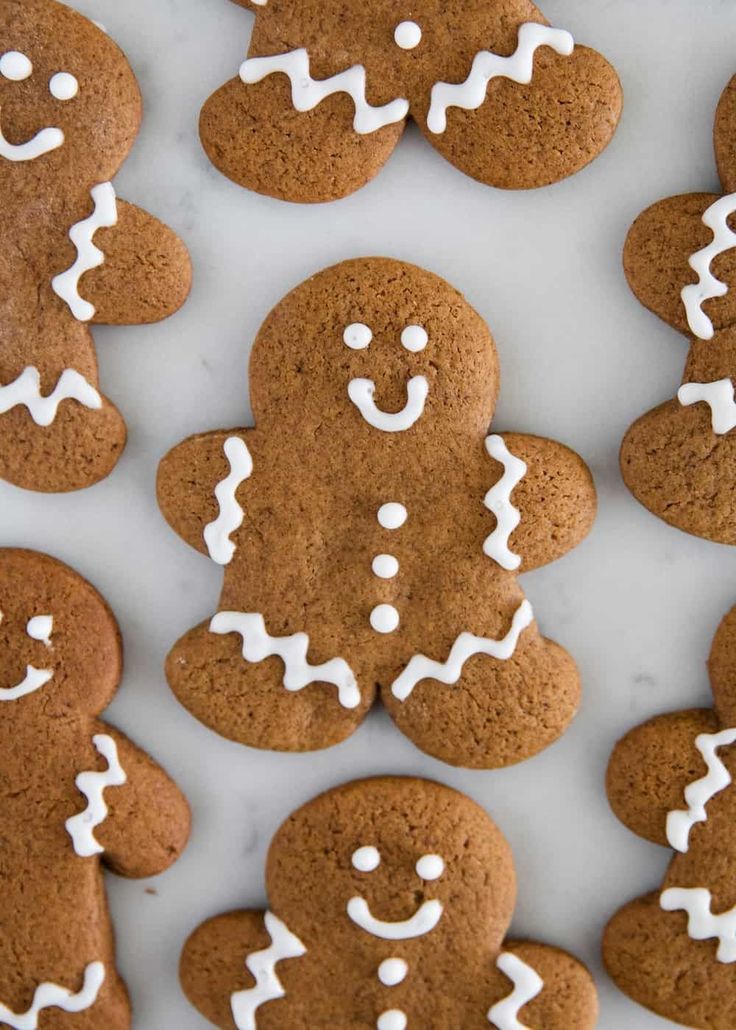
x=75 y=794
x=327 y=89
x=371 y=531
x=389 y=902
x=72 y=254
x=679 y=460
x=670 y=780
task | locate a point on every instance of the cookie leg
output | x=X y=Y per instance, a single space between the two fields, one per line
x=247 y=701
x=253 y=135
x=542 y=986
x=111 y=1010
x=651 y=958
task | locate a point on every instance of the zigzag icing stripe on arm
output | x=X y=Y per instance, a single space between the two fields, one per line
x=694 y=295
x=104 y=216
x=504 y=1015
x=51 y=996
x=498 y=501
x=702 y=924
x=699 y=792
x=262 y=964
x=719 y=396
x=217 y=534
x=81 y=827
x=519 y=67
x=26 y=391
x=258 y=644
x=307 y=93
x=466 y=645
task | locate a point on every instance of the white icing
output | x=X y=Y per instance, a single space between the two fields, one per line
x=42 y=143
x=384 y=618
x=392 y=515
x=385 y=566
x=414 y=338
x=361 y=391
x=63 y=86
x=424 y=920
x=262 y=964
x=217 y=534
x=719 y=396
x=26 y=391
x=702 y=923
x=699 y=792
x=15 y=66
x=466 y=645
x=430 y=867
x=392 y=1019
x=357 y=336
x=519 y=67
x=407 y=35
x=258 y=645
x=366 y=859
x=51 y=996
x=498 y=501
x=40 y=628
x=307 y=93
x=92 y=784
x=104 y=216
x=504 y=1015
x=708 y=287
x=34 y=679
x=392 y=971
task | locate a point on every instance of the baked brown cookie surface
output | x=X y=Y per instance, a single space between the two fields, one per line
x=75 y=795
x=670 y=781
x=325 y=93
x=389 y=903
x=371 y=531
x=72 y=254
x=679 y=460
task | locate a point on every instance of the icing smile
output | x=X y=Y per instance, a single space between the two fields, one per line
x=361 y=391
x=34 y=680
x=424 y=920
x=42 y=143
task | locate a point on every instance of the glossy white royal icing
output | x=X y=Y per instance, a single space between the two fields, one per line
x=719 y=396
x=392 y=971
x=63 y=86
x=258 y=644
x=40 y=628
x=407 y=35
x=700 y=791
x=104 y=216
x=262 y=965
x=42 y=143
x=424 y=920
x=217 y=534
x=25 y=391
x=92 y=784
x=414 y=338
x=467 y=644
x=498 y=501
x=307 y=93
x=519 y=67
x=430 y=867
x=51 y=996
x=361 y=391
x=392 y=1019
x=694 y=295
x=504 y=1015
x=385 y=618
x=366 y=858
x=385 y=566
x=15 y=66
x=702 y=924
x=392 y=515
x=34 y=679
x=357 y=336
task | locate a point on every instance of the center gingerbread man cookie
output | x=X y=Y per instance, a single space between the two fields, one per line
x=326 y=91
x=371 y=532
x=389 y=902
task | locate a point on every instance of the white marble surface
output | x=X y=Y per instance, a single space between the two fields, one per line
x=637 y=604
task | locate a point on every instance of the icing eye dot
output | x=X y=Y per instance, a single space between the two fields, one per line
x=414 y=338
x=40 y=628
x=63 y=86
x=366 y=859
x=392 y=971
x=407 y=35
x=357 y=336
x=15 y=66
x=392 y=515
x=430 y=867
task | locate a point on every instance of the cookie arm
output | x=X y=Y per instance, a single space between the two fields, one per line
x=148 y=820
x=537 y=985
x=651 y=766
x=146 y=275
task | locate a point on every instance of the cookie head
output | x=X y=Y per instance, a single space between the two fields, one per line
x=372 y=350
x=59 y=642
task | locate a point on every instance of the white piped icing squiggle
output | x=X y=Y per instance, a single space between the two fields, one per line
x=307 y=93
x=26 y=391
x=51 y=996
x=258 y=644
x=42 y=143
x=504 y=1015
x=702 y=924
x=424 y=920
x=33 y=680
x=262 y=964
x=104 y=216
x=498 y=501
x=466 y=645
x=81 y=827
x=519 y=67
x=719 y=396
x=694 y=295
x=217 y=534
x=361 y=391
x=699 y=792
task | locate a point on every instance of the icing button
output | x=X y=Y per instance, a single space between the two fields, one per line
x=407 y=35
